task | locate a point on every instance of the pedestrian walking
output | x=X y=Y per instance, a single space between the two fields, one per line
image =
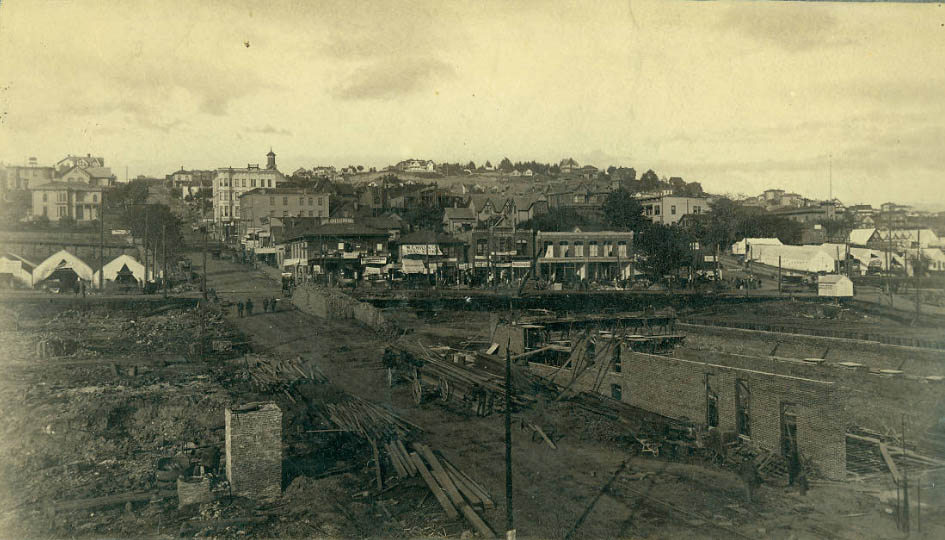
x=273 y=303
x=249 y=307
x=239 y=308
x=265 y=305
x=83 y=290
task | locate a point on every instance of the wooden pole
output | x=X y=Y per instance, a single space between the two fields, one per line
x=145 y=282
x=101 y=260
x=204 y=278
x=164 y=256
x=915 y=271
x=508 y=440
x=779 y=274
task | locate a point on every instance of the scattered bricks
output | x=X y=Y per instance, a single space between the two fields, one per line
x=254 y=450
x=193 y=490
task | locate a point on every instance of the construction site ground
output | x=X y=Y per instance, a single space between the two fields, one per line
x=85 y=426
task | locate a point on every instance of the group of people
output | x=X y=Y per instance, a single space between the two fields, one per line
x=269 y=305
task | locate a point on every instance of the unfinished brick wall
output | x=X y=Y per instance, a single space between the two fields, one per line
x=676 y=388
x=254 y=450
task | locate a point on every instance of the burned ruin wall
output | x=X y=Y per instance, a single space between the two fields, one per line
x=254 y=451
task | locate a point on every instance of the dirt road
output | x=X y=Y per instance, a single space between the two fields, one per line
x=585 y=488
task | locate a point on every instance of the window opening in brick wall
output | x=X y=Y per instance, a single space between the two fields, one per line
x=615 y=392
x=617 y=364
x=742 y=407
x=711 y=401
x=788 y=429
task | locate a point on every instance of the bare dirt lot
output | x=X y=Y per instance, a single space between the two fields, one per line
x=76 y=428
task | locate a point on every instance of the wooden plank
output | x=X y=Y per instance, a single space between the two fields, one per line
x=543 y=436
x=377 y=464
x=110 y=500
x=464 y=487
x=440 y=474
x=889 y=462
x=395 y=461
x=480 y=491
x=434 y=488
x=411 y=468
x=473 y=518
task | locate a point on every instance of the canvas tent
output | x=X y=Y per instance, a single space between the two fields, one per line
x=62 y=265
x=743 y=246
x=862 y=237
x=15 y=270
x=123 y=268
x=801 y=258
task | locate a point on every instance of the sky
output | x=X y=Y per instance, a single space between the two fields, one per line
x=740 y=96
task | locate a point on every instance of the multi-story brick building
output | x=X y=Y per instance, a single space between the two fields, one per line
x=262 y=203
x=230 y=183
x=578 y=255
x=13 y=177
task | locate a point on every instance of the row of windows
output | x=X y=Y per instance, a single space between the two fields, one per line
x=62 y=196
x=285 y=201
x=285 y=213
x=242 y=182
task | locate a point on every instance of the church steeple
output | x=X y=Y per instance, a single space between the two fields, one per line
x=271 y=159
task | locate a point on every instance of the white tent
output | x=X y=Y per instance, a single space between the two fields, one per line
x=115 y=265
x=19 y=269
x=861 y=237
x=64 y=260
x=742 y=246
x=801 y=258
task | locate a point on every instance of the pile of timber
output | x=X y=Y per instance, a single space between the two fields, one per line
x=281 y=375
x=455 y=491
x=482 y=387
x=642 y=423
x=371 y=421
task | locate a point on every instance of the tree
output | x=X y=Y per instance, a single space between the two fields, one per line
x=471 y=165
x=360 y=168
x=488 y=164
x=424 y=218
x=649 y=181
x=693 y=189
x=66 y=222
x=505 y=165
x=665 y=250
x=623 y=211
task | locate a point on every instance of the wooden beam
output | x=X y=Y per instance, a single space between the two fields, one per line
x=411 y=468
x=440 y=474
x=434 y=488
x=480 y=491
x=543 y=436
x=889 y=462
x=473 y=518
x=395 y=461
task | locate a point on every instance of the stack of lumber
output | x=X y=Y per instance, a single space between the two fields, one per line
x=432 y=373
x=371 y=421
x=267 y=371
x=641 y=422
x=456 y=492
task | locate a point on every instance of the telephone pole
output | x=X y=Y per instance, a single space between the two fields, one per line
x=508 y=439
x=101 y=260
x=164 y=256
x=204 y=277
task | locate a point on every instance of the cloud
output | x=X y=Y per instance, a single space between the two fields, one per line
x=794 y=28
x=389 y=79
x=269 y=130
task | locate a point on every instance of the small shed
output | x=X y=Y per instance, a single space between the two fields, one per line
x=835 y=286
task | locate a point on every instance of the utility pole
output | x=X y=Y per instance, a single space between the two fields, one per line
x=779 y=274
x=889 y=259
x=145 y=245
x=508 y=440
x=164 y=255
x=204 y=278
x=101 y=259
x=905 y=482
x=915 y=271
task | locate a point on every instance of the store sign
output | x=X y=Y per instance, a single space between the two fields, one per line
x=374 y=260
x=420 y=249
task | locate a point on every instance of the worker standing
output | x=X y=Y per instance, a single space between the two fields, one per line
x=239 y=308
x=249 y=307
x=748 y=472
x=265 y=305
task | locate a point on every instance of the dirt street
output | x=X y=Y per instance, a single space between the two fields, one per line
x=585 y=488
